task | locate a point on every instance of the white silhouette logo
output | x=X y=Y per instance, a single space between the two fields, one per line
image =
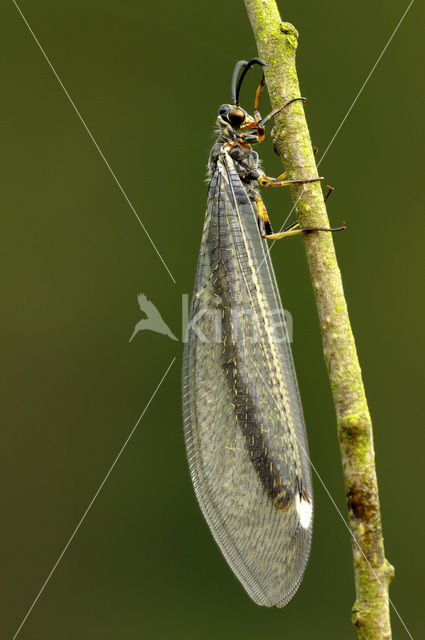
x=280 y=326
x=153 y=322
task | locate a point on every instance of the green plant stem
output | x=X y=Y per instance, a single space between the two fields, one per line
x=277 y=42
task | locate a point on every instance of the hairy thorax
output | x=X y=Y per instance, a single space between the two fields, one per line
x=244 y=157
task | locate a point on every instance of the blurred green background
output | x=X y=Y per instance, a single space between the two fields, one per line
x=147 y=79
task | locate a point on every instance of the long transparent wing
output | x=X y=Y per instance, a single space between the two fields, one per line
x=244 y=427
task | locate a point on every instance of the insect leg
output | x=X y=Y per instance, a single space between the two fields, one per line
x=265 y=226
x=292 y=227
x=263 y=218
x=267 y=182
x=293 y=231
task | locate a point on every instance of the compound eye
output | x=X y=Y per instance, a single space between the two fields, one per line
x=236 y=117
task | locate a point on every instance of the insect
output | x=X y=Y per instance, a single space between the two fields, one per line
x=244 y=426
